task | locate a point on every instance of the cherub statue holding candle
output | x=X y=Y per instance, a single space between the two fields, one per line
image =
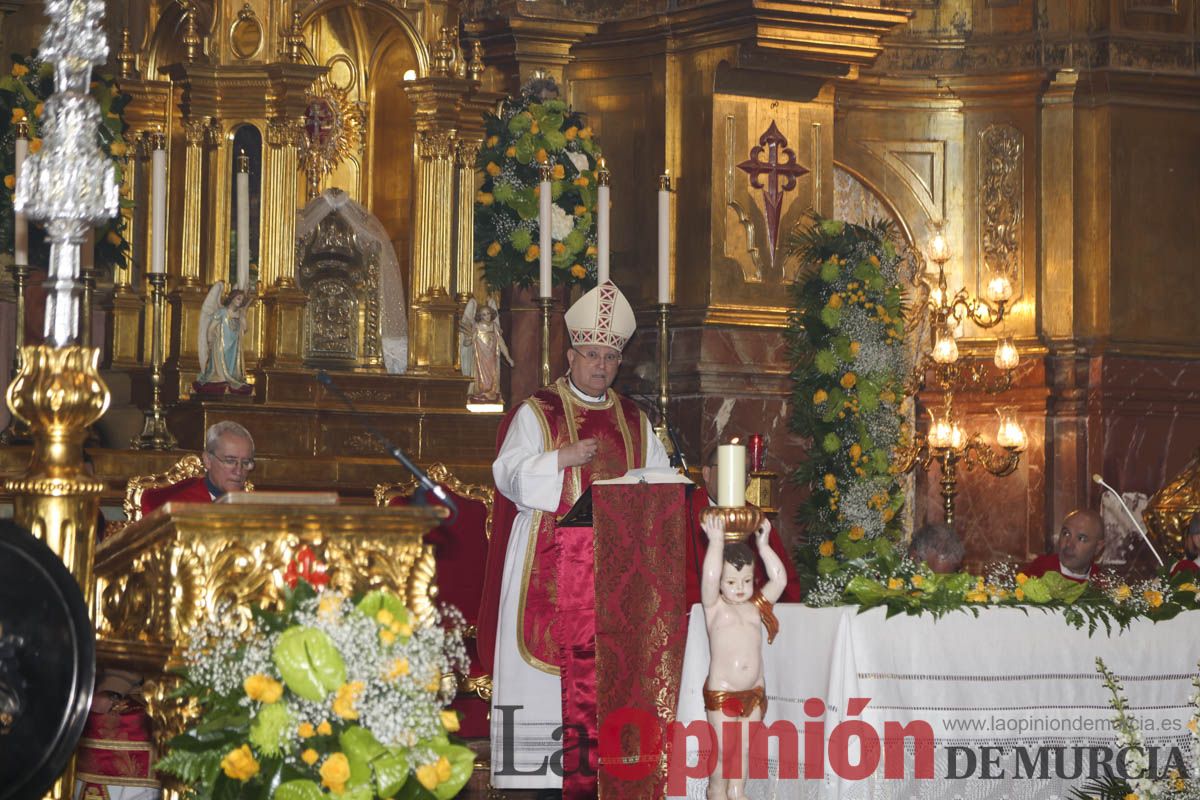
x=734 y=614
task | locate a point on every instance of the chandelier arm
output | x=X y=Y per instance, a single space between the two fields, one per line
x=1001 y=463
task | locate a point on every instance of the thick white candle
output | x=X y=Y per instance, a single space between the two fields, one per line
x=20 y=226
x=731 y=475
x=603 y=210
x=545 y=243
x=158 y=207
x=243 y=226
x=664 y=243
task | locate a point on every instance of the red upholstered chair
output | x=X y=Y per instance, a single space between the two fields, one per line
x=460 y=552
x=144 y=493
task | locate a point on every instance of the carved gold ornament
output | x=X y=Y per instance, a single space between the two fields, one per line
x=333 y=130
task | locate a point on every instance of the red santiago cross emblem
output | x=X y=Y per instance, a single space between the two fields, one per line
x=774 y=143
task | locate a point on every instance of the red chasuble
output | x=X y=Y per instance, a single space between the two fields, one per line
x=616 y=425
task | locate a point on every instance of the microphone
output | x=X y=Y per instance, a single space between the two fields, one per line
x=426 y=484
x=1132 y=518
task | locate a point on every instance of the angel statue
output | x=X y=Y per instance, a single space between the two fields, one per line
x=222 y=324
x=482 y=345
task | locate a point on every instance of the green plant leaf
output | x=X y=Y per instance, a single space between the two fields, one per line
x=299 y=790
x=309 y=662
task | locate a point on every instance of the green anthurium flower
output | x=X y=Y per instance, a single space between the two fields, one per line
x=391 y=772
x=360 y=746
x=379 y=600
x=1060 y=587
x=298 y=790
x=1036 y=591
x=462 y=762
x=309 y=662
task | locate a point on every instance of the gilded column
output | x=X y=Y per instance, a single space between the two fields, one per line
x=196 y=135
x=433 y=323
x=125 y=318
x=282 y=299
x=464 y=262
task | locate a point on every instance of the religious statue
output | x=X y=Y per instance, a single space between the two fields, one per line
x=482 y=345
x=222 y=323
x=735 y=691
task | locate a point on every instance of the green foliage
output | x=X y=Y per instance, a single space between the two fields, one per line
x=23 y=92
x=528 y=130
x=845 y=341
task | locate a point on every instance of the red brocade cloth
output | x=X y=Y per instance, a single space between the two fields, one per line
x=116 y=750
x=624 y=650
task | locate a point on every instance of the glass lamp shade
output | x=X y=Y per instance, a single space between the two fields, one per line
x=1007 y=356
x=1010 y=434
x=999 y=289
x=939 y=250
x=945 y=348
x=941 y=428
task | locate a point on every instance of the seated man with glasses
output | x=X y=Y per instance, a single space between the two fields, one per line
x=228 y=460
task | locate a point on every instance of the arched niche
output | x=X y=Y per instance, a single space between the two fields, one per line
x=368 y=47
x=245 y=140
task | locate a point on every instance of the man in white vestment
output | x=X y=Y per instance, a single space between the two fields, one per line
x=556 y=443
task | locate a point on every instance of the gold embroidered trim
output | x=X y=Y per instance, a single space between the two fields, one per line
x=117 y=780
x=530 y=548
x=116 y=744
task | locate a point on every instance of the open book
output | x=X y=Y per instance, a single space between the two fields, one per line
x=648 y=475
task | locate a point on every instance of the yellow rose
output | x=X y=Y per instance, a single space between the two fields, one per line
x=492 y=168
x=263 y=688
x=1154 y=598
x=1021 y=578
x=19 y=70
x=918 y=581
x=18 y=114
x=493 y=249
x=855 y=451
x=1132 y=796
x=826 y=548
x=443 y=769
x=38 y=109
x=35 y=145
x=117 y=148
x=578 y=272
x=586 y=133
x=895 y=583
x=580 y=210
x=450 y=720
x=343 y=703
x=511 y=152
x=854 y=348
x=1123 y=592
x=591 y=251
x=534 y=127
x=485 y=198
x=427 y=776
x=335 y=771
x=384 y=617
x=492 y=141
x=325 y=729
x=239 y=764
x=398 y=669
x=1188 y=587
x=570 y=132
x=305 y=730
x=1019 y=593
x=887 y=515
x=329 y=606
x=540 y=156
x=581 y=180
x=874 y=260
x=559 y=248
x=532 y=253
x=857 y=533
x=309 y=756
x=820 y=396
x=848 y=380
x=558 y=173
x=977 y=597
x=113 y=238
x=835 y=301
x=830 y=481
x=387 y=637
x=10 y=181
x=401 y=629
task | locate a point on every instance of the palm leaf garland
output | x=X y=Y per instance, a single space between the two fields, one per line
x=845 y=337
x=23 y=93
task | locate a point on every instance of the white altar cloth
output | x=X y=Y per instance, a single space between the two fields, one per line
x=1003 y=679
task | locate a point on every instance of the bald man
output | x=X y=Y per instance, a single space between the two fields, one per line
x=1079 y=544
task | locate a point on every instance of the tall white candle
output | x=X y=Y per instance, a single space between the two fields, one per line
x=545 y=242
x=158 y=205
x=731 y=475
x=603 y=211
x=20 y=225
x=243 y=222
x=664 y=241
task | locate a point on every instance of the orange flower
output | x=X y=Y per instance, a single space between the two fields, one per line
x=534 y=127
x=309 y=756
x=848 y=380
x=558 y=173
x=485 y=198
x=826 y=548
x=820 y=396
x=493 y=249
x=18 y=114
x=559 y=248
x=570 y=132
x=511 y=152
x=835 y=301
x=580 y=210
x=857 y=533
x=19 y=70
x=10 y=181
x=581 y=180
x=492 y=141
x=578 y=272
x=532 y=253
x=37 y=110
x=586 y=133
x=540 y=155
x=492 y=169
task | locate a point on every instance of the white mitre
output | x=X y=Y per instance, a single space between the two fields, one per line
x=602 y=316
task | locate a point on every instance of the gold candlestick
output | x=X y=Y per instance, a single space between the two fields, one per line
x=88 y=279
x=155 y=435
x=17 y=431
x=546 y=304
x=662 y=428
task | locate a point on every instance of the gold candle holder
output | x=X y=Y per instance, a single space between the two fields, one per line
x=17 y=431
x=740 y=521
x=546 y=304
x=155 y=434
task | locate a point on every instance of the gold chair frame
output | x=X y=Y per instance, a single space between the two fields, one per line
x=481 y=685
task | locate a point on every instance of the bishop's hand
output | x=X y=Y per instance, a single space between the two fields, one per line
x=577 y=454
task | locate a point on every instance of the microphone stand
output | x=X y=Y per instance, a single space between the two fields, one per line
x=425 y=485
x=678 y=460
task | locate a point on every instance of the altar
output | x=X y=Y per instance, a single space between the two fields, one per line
x=1013 y=699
